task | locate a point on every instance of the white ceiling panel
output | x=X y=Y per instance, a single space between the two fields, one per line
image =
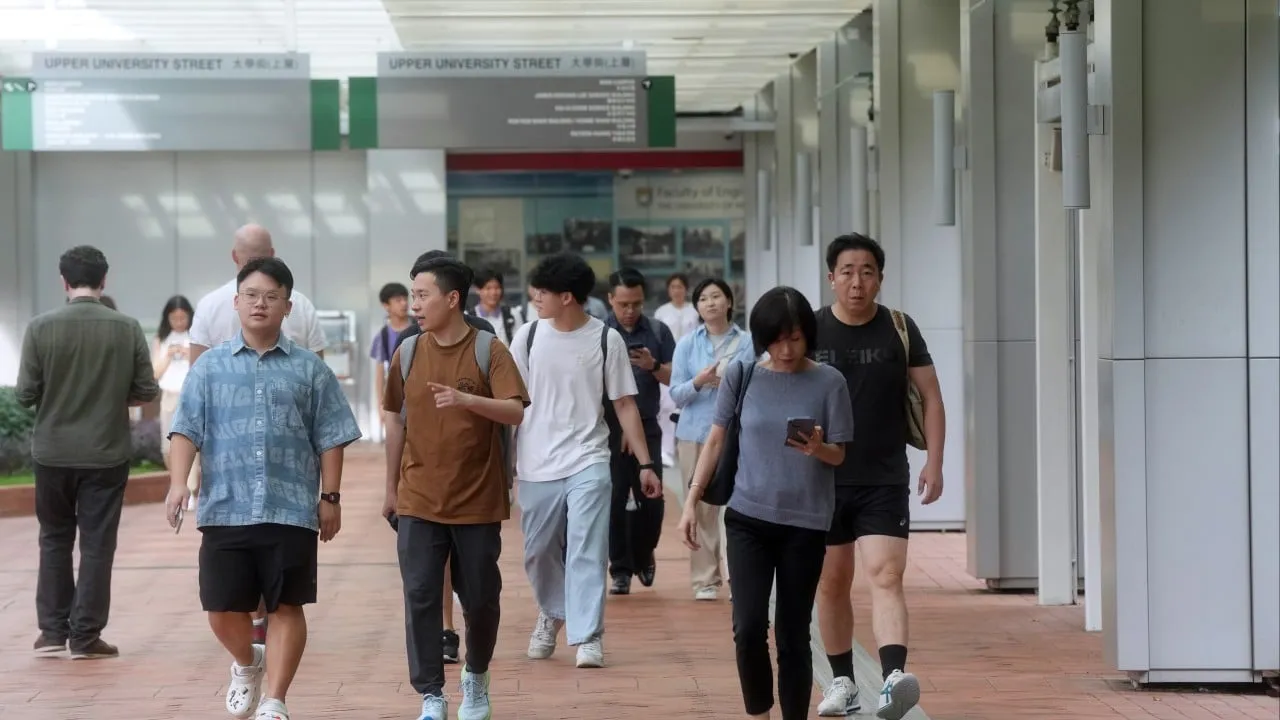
x=721 y=51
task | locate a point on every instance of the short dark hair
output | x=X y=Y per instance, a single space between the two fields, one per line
x=391 y=291
x=684 y=279
x=450 y=275
x=486 y=276
x=854 y=241
x=108 y=301
x=717 y=282
x=627 y=277
x=83 y=266
x=780 y=312
x=273 y=268
x=564 y=272
x=426 y=257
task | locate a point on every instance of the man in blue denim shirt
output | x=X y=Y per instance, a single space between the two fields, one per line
x=271 y=424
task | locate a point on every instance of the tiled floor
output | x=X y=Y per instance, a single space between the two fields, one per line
x=980 y=656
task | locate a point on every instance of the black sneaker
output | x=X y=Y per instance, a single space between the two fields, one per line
x=46 y=646
x=95 y=650
x=621 y=585
x=646 y=575
x=449 y=640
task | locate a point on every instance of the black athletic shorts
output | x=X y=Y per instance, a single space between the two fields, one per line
x=870 y=510
x=241 y=565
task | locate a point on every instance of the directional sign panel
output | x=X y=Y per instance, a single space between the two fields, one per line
x=527 y=100
x=137 y=102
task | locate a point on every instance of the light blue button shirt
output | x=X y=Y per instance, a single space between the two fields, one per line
x=694 y=352
x=261 y=423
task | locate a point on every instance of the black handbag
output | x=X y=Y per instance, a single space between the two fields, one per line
x=720 y=489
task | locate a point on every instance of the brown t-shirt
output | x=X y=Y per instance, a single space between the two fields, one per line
x=452 y=468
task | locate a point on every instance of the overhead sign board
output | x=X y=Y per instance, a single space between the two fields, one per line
x=512 y=100
x=171 y=102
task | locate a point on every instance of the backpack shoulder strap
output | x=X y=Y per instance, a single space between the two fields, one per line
x=528 y=341
x=484 y=349
x=900 y=324
x=604 y=369
x=406 y=355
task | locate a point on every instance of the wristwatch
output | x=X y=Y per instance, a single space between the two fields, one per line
x=647 y=466
x=333 y=497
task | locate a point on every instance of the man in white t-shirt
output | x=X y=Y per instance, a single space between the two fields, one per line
x=576 y=370
x=216 y=321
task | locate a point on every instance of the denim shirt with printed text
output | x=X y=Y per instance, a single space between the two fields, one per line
x=261 y=423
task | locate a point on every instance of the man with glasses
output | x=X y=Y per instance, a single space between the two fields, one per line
x=272 y=422
x=635 y=521
x=215 y=321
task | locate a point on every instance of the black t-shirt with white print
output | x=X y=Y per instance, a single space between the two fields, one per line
x=874 y=365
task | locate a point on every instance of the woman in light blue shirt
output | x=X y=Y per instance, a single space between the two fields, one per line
x=700 y=361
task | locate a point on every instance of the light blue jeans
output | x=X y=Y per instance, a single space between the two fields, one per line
x=566 y=548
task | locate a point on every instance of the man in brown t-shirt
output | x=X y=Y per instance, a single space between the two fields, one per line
x=447 y=481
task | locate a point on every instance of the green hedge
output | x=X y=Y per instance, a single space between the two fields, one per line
x=15 y=437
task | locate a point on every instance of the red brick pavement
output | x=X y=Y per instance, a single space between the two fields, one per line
x=980 y=656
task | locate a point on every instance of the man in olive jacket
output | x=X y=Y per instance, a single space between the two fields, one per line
x=82 y=367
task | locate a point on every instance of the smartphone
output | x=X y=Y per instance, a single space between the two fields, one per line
x=798 y=426
x=177 y=527
x=394 y=521
x=635 y=347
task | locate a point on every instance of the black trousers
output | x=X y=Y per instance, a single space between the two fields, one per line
x=759 y=552
x=67 y=500
x=634 y=534
x=424 y=547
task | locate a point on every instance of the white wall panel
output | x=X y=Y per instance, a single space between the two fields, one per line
x=12 y=284
x=340 y=235
x=1194 y=204
x=117 y=203
x=1264 y=499
x=219 y=192
x=1198 y=513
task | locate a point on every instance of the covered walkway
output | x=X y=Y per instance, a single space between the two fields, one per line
x=979 y=655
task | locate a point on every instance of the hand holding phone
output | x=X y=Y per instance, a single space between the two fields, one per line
x=177 y=525
x=799 y=430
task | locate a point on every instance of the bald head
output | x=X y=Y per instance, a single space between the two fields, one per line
x=251 y=242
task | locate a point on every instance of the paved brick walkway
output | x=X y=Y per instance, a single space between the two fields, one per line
x=980 y=656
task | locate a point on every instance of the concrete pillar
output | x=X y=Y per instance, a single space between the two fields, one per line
x=917 y=51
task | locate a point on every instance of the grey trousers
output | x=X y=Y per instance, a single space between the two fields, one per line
x=424 y=547
x=70 y=500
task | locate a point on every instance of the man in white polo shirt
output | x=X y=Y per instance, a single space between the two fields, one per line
x=215 y=321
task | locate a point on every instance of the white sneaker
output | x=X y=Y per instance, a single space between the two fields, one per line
x=900 y=693
x=272 y=709
x=434 y=707
x=245 y=688
x=840 y=698
x=591 y=654
x=706 y=594
x=542 y=642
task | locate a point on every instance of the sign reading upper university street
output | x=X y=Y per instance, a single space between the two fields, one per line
x=169 y=102
x=513 y=100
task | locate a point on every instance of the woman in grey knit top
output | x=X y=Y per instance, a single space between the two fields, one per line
x=783 y=498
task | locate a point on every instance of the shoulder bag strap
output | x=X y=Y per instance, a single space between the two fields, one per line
x=900 y=324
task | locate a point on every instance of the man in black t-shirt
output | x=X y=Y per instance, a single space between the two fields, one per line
x=864 y=341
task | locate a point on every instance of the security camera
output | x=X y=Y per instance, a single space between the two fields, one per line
x=624 y=173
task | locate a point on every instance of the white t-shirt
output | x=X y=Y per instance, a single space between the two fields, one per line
x=680 y=320
x=171 y=380
x=215 y=320
x=564 y=430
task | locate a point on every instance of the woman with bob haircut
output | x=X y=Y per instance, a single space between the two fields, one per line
x=796 y=418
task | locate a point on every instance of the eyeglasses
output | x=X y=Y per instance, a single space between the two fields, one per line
x=253 y=297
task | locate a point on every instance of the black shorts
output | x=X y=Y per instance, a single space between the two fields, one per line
x=870 y=510
x=241 y=565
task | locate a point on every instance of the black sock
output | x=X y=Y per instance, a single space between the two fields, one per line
x=893 y=657
x=841 y=665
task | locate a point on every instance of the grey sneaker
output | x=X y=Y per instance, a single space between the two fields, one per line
x=542 y=641
x=434 y=707
x=94 y=650
x=46 y=646
x=475 y=697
